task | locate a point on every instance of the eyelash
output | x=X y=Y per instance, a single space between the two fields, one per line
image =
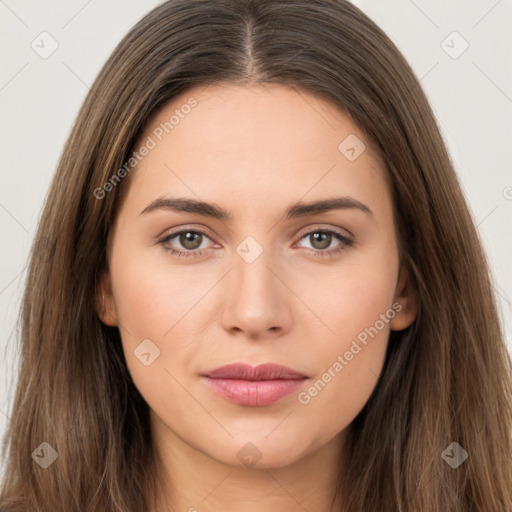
x=346 y=243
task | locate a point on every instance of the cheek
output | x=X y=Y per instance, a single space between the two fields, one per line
x=338 y=394
x=358 y=306
x=151 y=311
x=360 y=290
x=152 y=295
x=349 y=366
x=161 y=311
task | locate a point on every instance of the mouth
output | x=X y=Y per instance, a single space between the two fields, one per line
x=254 y=386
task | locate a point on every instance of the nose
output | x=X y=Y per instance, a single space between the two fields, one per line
x=256 y=302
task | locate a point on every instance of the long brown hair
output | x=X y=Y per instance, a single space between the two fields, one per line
x=446 y=379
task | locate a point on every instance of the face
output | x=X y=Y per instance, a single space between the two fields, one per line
x=260 y=276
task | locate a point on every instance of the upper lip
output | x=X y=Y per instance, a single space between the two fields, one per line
x=242 y=371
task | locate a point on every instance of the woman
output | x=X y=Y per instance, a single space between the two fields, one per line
x=256 y=284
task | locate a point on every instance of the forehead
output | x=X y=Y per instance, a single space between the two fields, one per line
x=242 y=116
x=257 y=141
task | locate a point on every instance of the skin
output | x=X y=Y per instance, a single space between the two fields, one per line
x=253 y=151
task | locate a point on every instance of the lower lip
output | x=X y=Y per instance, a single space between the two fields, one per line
x=255 y=393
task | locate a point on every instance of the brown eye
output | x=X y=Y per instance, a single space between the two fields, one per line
x=320 y=240
x=190 y=240
x=185 y=243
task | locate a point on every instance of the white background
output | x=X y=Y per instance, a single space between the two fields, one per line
x=39 y=99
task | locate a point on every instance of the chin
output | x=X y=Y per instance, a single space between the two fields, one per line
x=261 y=453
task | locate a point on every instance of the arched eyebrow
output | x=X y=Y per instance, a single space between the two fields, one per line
x=215 y=211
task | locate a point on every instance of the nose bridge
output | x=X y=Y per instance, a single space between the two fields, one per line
x=251 y=267
x=256 y=302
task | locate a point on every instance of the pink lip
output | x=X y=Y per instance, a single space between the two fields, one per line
x=254 y=386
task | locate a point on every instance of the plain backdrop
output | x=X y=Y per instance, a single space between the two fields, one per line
x=461 y=51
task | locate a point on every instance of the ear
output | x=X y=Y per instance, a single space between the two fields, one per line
x=105 y=305
x=407 y=297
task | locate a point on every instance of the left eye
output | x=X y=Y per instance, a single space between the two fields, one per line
x=321 y=240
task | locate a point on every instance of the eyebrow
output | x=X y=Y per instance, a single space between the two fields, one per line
x=214 y=211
